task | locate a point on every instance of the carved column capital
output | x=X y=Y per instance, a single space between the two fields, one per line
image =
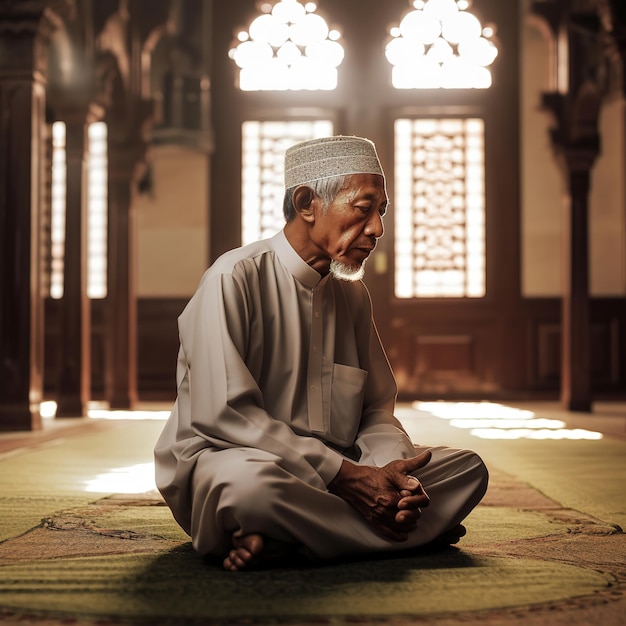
x=614 y=13
x=26 y=27
x=579 y=90
x=575 y=137
x=19 y=15
x=75 y=107
x=128 y=139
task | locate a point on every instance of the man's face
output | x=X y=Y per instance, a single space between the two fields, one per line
x=349 y=228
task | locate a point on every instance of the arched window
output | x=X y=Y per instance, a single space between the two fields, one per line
x=289 y=46
x=439 y=163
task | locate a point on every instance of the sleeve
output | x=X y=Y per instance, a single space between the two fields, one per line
x=381 y=438
x=226 y=405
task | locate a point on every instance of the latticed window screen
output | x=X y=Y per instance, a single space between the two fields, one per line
x=57 y=218
x=98 y=208
x=439 y=208
x=263 y=186
x=97 y=211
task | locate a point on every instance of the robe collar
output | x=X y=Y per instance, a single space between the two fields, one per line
x=298 y=267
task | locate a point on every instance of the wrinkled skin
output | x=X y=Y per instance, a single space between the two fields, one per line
x=388 y=497
x=347 y=230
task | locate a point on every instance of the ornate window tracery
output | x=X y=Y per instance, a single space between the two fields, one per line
x=288 y=46
x=439 y=44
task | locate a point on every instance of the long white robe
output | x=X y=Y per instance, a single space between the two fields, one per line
x=281 y=375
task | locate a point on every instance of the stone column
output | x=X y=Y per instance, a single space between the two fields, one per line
x=74 y=382
x=128 y=117
x=575 y=104
x=576 y=393
x=120 y=336
x=25 y=29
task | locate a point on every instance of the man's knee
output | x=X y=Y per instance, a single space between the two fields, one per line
x=473 y=475
x=249 y=487
x=458 y=468
x=231 y=494
x=470 y=464
x=482 y=474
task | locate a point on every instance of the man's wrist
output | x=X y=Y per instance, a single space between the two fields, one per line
x=346 y=469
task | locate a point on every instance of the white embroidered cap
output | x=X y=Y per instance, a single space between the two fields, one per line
x=330 y=156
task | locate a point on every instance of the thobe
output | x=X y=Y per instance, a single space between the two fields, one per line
x=281 y=376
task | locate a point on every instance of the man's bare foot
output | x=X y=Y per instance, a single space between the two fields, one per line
x=245 y=553
x=451 y=536
x=256 y=551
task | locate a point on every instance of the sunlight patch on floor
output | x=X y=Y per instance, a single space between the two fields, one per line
x=491 y=420
x=133 y=479
x=106 y=414
x=100 y=410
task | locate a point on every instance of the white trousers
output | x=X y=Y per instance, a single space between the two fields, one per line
x=242 y=491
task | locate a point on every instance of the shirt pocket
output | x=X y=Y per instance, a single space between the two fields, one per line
x=346 y=403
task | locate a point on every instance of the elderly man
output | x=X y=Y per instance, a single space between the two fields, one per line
x=283 y=432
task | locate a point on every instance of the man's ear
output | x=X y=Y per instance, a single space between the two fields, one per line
x=302 y=200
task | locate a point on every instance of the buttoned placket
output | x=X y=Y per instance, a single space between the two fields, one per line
x=314 y=371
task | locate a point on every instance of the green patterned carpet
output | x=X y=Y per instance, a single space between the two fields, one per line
x=177 y=584
x=70 y=556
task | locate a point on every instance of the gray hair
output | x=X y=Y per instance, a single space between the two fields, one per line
x=326 y=189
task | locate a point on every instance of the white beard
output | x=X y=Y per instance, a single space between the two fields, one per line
x=347 y=272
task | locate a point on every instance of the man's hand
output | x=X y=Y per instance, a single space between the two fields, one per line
x=388 y=497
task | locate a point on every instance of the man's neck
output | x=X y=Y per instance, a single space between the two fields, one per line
x=297 y=234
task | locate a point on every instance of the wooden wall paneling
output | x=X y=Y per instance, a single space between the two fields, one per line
x=607 y=346
x=445 y=353
x=157 y=347
x=429 y=364
x=98 y=310
x=604 y=358
x=548 y=351
x=435 y=360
